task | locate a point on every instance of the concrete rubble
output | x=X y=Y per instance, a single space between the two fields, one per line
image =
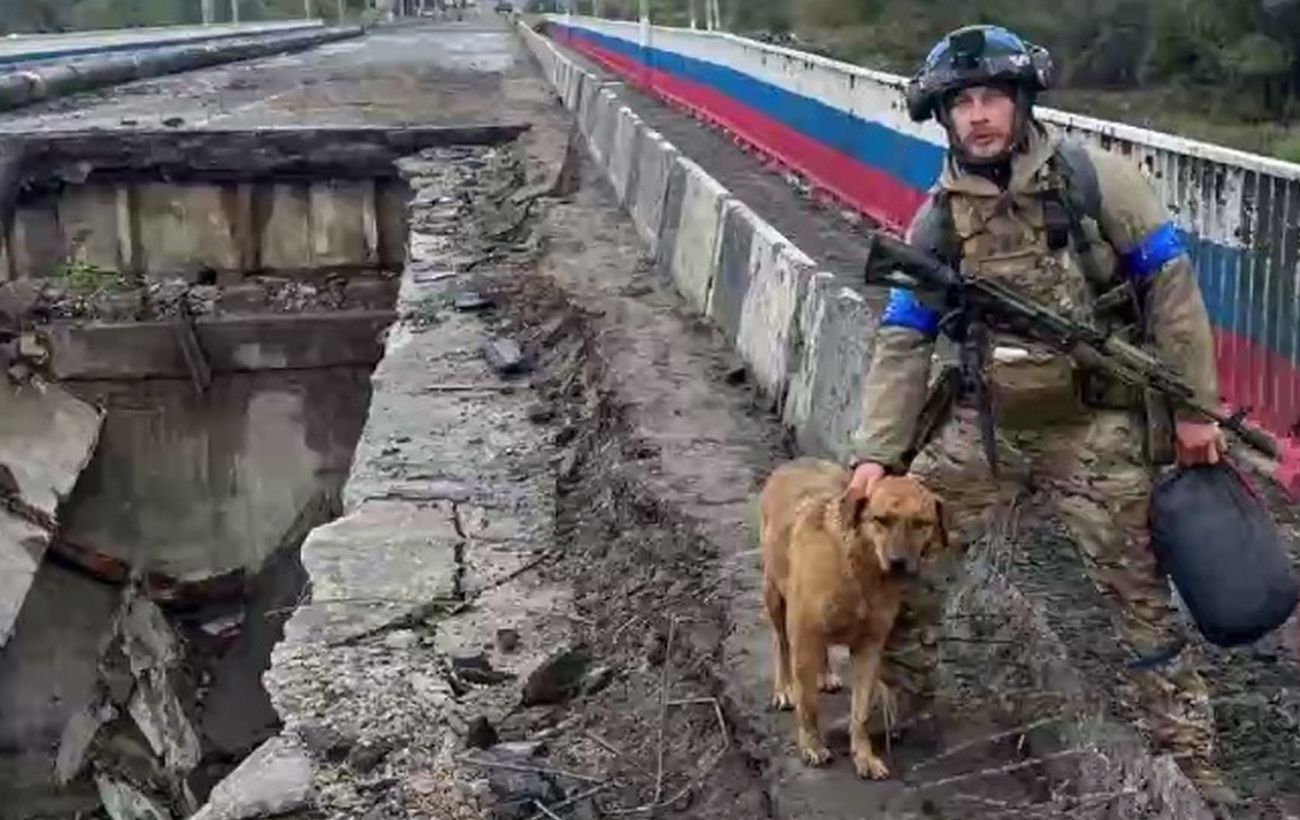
x=142 y=691
x=47 y=439
x=275 y=779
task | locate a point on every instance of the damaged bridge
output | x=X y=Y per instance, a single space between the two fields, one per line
x=381 y=424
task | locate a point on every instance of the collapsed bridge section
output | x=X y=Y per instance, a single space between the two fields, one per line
x=188 y=322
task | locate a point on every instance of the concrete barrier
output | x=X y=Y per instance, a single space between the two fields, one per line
x=606 y=121
x=558 y=76
x=736 y=249
x=573 y=86
x=696 y=242
x=833 y=331
x=768 y=316
x=587 y=106
x=623 y=154
x=655 y=161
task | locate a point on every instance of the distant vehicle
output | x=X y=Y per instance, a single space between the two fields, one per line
x=505 y=7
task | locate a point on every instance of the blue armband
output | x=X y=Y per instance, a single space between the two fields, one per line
x=903 y=310
x=1153 y=252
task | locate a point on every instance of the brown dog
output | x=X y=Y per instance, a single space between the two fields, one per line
x=834 y=572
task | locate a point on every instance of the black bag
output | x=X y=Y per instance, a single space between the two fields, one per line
x=1220 y=546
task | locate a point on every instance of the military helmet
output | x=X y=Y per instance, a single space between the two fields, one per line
x=976 y=55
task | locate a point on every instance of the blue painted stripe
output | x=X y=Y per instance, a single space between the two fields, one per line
x=912 y=161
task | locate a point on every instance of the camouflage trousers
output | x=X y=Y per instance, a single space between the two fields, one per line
x=1097 y=485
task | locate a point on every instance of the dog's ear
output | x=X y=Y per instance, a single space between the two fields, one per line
x=852 y=503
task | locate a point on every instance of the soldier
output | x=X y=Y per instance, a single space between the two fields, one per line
x=1066 y=225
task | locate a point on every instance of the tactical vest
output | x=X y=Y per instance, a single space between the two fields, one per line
x=1048 y=245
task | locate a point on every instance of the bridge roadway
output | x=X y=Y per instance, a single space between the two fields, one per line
x=712 y=442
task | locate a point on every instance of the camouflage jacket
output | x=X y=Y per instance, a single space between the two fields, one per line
x=1000 y=234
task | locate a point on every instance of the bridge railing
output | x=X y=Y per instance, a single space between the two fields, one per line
x=846 y=130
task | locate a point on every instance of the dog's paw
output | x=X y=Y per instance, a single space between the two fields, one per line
x=815 y=755
x=829 y=682
x=870 y=767
x=782 y=702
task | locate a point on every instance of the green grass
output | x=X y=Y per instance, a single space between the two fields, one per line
x=87 y=280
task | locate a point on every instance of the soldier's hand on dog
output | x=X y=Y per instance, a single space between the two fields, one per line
x=1197 y=442
x=865 y=476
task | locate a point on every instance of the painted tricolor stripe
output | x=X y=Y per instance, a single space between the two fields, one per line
x=885 y=173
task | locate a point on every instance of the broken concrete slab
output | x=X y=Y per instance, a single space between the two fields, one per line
x=152 y=652
x=403 y=555
x=123 y=801
x=77 y=737
x=158 y=714
x=22 y=544
x=275 y=779
x=505 y=356
x=46 y=441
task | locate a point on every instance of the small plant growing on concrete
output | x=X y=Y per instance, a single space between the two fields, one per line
x=84 y=278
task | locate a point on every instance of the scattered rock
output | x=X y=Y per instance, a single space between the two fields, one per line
x=507 y=640
x=636 y=290
x=77 y=737
x=565 y=434
x=324 y=741
x=656 y=645
x=476 y=668
x=504 y=356
x=481 y=734
x=516 y=790
x=596 y=679
x=557 y=678
x=568 y=463
x=122 y=801
x=530 y=723
x=541 y=413
x=366 y=756
x=224 y=626
x=402 y=639
x=274 y=779
x=466 y=301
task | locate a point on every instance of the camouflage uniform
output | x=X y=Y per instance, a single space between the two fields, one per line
x=1088 y=458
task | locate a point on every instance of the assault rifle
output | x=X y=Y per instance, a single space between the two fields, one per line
x=971 y=306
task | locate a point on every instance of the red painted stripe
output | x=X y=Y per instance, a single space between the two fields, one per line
x=883 y=198
x=1255 y=377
